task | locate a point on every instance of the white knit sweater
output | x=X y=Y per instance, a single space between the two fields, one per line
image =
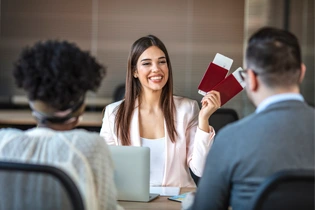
x=83 y=155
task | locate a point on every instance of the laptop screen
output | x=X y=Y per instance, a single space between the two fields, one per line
x=132 y=172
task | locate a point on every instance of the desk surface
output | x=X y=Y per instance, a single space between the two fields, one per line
x=24 y=117
x=160 y=203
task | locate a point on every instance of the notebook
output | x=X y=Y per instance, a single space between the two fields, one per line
x=165 y=191
x=132 y=173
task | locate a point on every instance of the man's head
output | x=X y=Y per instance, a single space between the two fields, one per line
x=274 y=65
x=56 y=76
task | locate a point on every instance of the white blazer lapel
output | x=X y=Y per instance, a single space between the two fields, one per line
x=134 y=127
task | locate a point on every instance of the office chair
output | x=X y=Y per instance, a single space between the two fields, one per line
x=33 y=186
x=289 y=190
x=222 y=117
x=194 y=177
x=119 y=93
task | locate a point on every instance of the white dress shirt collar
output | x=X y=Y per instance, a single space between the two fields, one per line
x=278 y=98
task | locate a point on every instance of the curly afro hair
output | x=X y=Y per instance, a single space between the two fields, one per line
x=57 y=73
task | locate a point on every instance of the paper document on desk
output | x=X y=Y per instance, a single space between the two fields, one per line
x=165 y=191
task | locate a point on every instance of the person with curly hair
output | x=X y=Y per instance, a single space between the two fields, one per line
x=56 y=76
x=175 y=129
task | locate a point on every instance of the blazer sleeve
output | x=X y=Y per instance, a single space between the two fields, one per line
x=107 y=129
x=199 y=142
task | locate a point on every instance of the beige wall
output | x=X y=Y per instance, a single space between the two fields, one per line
x=24 y=22
x=192 y=30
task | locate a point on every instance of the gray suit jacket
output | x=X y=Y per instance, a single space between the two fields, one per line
x=246 y=152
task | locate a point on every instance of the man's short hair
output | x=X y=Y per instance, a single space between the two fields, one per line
x=275 y=56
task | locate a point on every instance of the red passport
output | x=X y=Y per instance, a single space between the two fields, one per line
x=230 y=86
x=215 y=79
x=213 y=76
x=216 y=72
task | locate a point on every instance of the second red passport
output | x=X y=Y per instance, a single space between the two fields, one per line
x=230 y=86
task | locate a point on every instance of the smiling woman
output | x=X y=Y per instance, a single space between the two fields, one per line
x=174 y=128
x=152 y=69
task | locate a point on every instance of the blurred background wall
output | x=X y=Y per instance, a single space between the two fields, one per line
x=192 y=30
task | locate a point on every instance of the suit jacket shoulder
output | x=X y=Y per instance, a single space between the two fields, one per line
x=275 y=122
x=112 y=108
x=186 y=109
x=179 y=100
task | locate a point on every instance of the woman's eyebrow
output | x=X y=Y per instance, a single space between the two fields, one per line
x=146 y=59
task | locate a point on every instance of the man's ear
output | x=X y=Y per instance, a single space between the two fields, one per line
x=252 y=80
x=303 y=70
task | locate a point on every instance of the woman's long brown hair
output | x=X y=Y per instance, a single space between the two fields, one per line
x=133 y=91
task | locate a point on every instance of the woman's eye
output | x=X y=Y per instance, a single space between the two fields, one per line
x=145 y=64
x=162 y=61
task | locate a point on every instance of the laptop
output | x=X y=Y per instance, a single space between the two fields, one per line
x=132 y=173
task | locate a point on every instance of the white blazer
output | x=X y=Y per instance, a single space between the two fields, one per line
x=189 y=150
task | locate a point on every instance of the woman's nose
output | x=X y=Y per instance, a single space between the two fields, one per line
x=155 y=67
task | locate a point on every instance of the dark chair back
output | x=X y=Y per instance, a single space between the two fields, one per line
x=119 y=93
x=222 y=117
x=33 y=186
x=289 y=190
